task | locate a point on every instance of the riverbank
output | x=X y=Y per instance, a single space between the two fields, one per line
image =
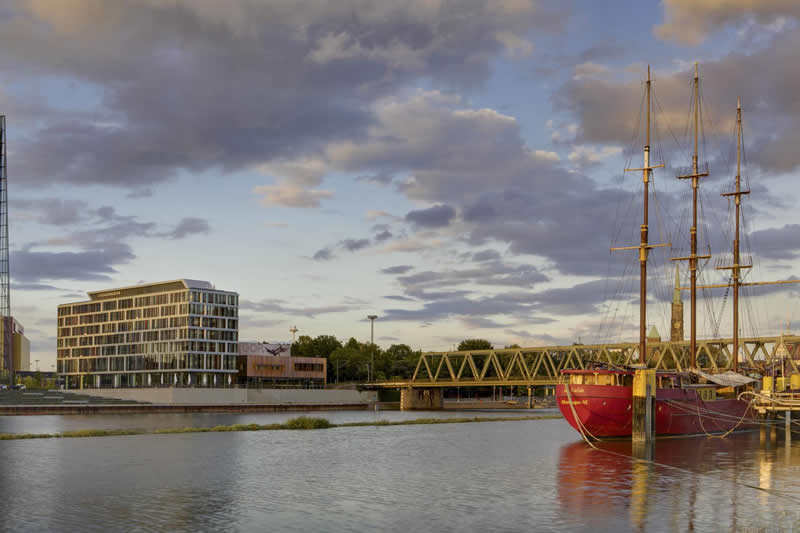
x=128 y=409
x=298 y=423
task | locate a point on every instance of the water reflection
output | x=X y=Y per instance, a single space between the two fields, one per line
x=712 y=482
x=503 y=476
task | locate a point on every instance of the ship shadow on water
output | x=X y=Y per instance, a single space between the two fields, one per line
x=679 y=484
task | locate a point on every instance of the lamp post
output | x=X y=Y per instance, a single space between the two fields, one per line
x=372 y=345
x=293 y=330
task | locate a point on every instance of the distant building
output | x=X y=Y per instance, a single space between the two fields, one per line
x=265 y=348
x=181 y=333
x=270 y=365
x=15 y=346
x=21 y=349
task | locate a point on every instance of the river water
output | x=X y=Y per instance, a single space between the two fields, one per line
x=532 y=475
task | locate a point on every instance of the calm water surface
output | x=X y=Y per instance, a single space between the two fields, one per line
x=61 y=423
x=500 y=476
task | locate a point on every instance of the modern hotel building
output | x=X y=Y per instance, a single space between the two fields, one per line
x=181 y=333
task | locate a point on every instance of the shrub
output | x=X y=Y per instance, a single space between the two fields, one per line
x=306 y=422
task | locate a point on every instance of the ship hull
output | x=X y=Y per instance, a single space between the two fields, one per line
x=605 y=411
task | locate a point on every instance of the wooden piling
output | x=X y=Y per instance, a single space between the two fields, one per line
x=643 y=405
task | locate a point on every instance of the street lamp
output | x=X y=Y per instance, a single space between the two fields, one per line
x=293 y=330
x=372 y=344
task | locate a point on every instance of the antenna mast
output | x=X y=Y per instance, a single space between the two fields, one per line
x=644 y=247
x=5 y=292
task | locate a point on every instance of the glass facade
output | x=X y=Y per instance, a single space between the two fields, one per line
x=180 y=333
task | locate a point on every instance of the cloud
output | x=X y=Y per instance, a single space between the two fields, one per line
x=140 y=193
x=249 y=322
x=475 y=162
x=35 y=287
x=383 y=236
x=778 y=243
x=280 y=307
x=382 y=179
x=399 y=269
x=585 y=156
x=589 y=70
x=399 y=298
x=486 y=255
x=348 y=245
x=100 y=237
x=373 y=214
x=90 y=265
x=306 y=75
x=515 y=45
x=323 y=254
x=479 y=322
x=437 y=216
x=427 y=284
x=520 y=306
x=188 y=227
x=51 y=211
x=288 y=195
x=527 y=338
x=548 y=156
x=352 y=245
x=691 y=21
x=412 y=245
x=766 y=79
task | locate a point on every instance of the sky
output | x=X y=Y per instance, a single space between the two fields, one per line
x=454 y=167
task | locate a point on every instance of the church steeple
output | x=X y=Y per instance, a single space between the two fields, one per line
x=676 y=295
x=676 y=331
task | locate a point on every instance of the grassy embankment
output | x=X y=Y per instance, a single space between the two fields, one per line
x=300 y=422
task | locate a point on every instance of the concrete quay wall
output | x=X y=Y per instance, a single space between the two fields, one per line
x=208 y=397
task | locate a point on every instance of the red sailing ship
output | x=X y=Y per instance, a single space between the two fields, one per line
x=598 y=402
x=602 y=401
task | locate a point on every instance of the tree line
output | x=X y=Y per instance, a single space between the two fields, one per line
x=350 y=361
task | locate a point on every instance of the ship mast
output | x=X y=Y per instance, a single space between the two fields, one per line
x=693 y=257
x=737 y=266
x=644 y=247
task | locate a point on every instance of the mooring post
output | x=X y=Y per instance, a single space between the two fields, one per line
x=644 y=392
x=787 y=419
x=648 y=411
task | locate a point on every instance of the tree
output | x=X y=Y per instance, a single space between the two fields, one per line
x=325 y=345
x=474 y=344
x=303 y=347
x=352 y=361
x=400 y=361
x=321 y=346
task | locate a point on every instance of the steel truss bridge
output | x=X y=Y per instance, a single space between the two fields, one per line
x=542 y=365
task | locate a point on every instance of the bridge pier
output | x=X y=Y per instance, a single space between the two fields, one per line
x=426 y=399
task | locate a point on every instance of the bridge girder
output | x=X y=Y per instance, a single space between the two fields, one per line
x=542 y=365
